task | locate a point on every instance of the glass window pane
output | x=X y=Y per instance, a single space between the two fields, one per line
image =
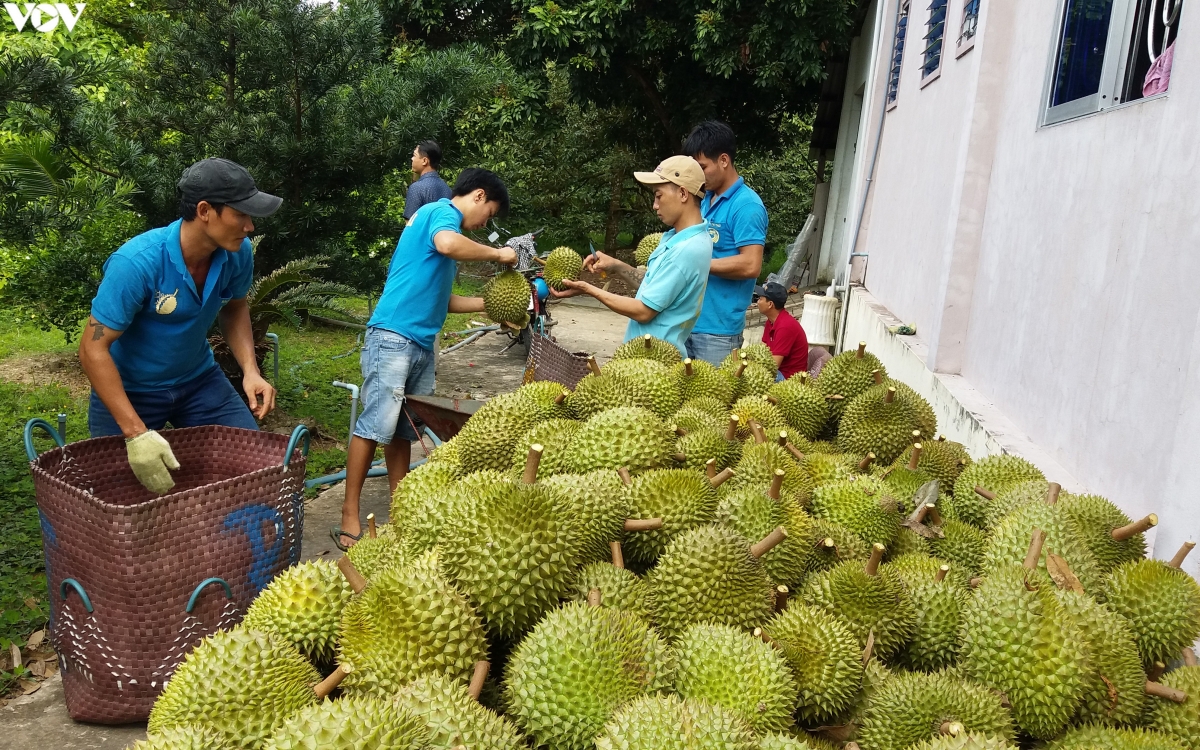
x=1081 y=50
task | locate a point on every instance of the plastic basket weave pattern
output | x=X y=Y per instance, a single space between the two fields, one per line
x=549 y=361
x=136 y=580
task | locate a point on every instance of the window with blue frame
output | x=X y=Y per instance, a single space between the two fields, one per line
x=970 y=22
x=935 y=35
x=897 y=54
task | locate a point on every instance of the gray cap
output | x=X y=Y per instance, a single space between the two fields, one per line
x=219 y=180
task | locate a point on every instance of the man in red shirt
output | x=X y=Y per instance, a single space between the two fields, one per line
x=781 y=333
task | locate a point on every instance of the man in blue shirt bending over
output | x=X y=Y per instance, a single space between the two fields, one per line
x=397 y=356
x=737 y=221
x=670 y=295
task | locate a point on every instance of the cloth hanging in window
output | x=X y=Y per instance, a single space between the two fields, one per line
x=1159 y=75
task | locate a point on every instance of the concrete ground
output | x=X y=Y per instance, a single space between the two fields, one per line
x=478 y=370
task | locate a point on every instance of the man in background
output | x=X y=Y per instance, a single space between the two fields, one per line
x=781 y=332
x=429 y=187
x=737 y=223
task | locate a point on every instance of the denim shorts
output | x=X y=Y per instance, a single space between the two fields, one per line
x=712 y=348
x=392 y=366
x=208 y=399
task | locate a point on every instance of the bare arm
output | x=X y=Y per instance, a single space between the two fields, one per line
x=604 y=263
x=630 y=307
x=465 y=304
x=456 y=246
x=235 y=325
x=98 y=365
x=778 y=359
x=747 y=264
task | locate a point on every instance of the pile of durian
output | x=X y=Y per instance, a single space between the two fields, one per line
x=675 y=555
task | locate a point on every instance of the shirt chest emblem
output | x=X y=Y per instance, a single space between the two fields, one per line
x=165 y=304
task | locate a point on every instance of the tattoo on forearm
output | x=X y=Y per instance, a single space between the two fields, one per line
x=99 y=332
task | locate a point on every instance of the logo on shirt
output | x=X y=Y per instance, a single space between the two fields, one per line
x=164 y=304
x=714 y=235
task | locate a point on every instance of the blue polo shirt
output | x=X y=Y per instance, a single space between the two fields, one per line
x=676 y=275
x=738 y=218
x=148 y=294
x=416 y=296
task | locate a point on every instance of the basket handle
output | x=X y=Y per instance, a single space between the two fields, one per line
x=53 y=433
x=207 y=581
x=62 y=590
x=300 y=432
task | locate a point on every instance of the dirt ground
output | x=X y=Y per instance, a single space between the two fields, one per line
x=52 y=368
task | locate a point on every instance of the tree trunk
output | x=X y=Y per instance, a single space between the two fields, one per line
x=656 y=103
x=612 y=224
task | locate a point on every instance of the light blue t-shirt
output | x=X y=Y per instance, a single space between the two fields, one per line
x=416 y=296
x=738 y=218
x=676 y=275
x=148 y=294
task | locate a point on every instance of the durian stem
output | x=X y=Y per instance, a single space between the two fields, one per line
x=934 y=516
x=794 y=451
x=681 y=457
x=919 y=513
x=769 y=542
x=984 y=493
x=1052 y=491
x=327 y=685
x=828 y=544
x=710 y=468
x=762 y=634
x=951 y=728
x=942 y=439
x=679 y=431
x=1159 y=690
x=974 y=582
x=1189 y=657
x=618 y=559
x=782 y=439
x=595 y=597
x=595 y=368
x=649 y=341
x=866 y=462
x=1122 y=533
x=623 y=473
x=532 y=459
x=643 y=524
x=372 y=532
x=941 y=574
x=760 y=435
x=724 y=476
x=776 y=484
x=877 y=551
x=1035 y=549
x=731 y=430
x=773 y=401
x=878 y=375
x=916 y=436
x=781 y=598
x=862 y=349
x=687 y=367
x=353 y=577
x=915 y=458
x=835 y=397
x=890 y=397
x=478 y=677
x=1181 y=555
x=741 y=368
x=1155 y=671
x=869 y=648
x=560 y=398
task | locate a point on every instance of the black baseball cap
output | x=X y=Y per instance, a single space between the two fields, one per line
x=773 y=292
x=219 y=180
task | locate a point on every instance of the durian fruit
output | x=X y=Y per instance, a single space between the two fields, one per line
x=965 y=742
x=1095 y=737
x=699 y=379
x=597 y=503
x=645 y=248
x=562 y=263
x=692 y=417
x=757 y=409
x=429 y=478
x=728 y=667
x=874 y=676
x=512 y=550
x=1114 y=688
x=575 y=668
x=861 y=505
x=711 y=405
x=454 y=718
x=911 y=707
x=506 y=299
x=619 y=588
x=657 y=379
x=802 y=404
x=184 y=737
x=753 y=514
x=825 y=468
x=960 y=544
x=486 y=441
x=937 y=603
x=549 y=397
x=554 y=435
x=1179 y=719
x=1161 y=603
x=405 y=622
x=923 y=414
x=917 y=569
x=825 y=657
x=750 y=379
x=710 y=574
x=868 y=600
x=847 y=375
x=624 y=437
x=446 y=453
x=1016 y=496
x=942 y=459
x=219 y=686
x=876 y=421
x=778 y=741
x=598 y=392
x=382 y=549
x=904 y=483
x=1018 y=639
x=759 y=463
x=993 y=474
x=421 y=519
x=667 y=722
x=705 y=444
x=757 y=353
x=648 y=347
x=303 y=604
x=682 y=498
x=835 y=544
x=1110 y=534
x=351 y=723
x=907 y=543
x=1009 y=543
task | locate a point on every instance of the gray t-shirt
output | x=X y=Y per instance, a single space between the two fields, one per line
x=429 y=188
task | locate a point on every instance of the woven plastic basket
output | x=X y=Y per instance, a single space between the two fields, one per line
x=136 y=580
x=549 y=361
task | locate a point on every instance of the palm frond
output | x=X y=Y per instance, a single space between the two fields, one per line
x=34 y=168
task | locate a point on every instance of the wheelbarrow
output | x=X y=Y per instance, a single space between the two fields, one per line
x=443 y=416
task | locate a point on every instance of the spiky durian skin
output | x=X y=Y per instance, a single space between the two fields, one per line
x=506 y=298
x=596 y=393
x=1013 y=497
x=184 y=737
x=907 y=542
x=351 y=724
x=994 y=473
x=576 y=667
x=692 y=417
x=682 y=498
x=597 y=503
x=655 y=378
x=847 y=546
x=420 y=520
x=826 y=468
x=923 y=415
x=705 y=381
x=707 y=574
x=848 y=375
x=1023 y=643
x=754 y=382
x=870 y=424
x=937 y=608
x=447 y=453
x=619 y=589
x=1009 y=543
x=856 y=504
x=802 y=404
x=627 y=436
x=911 y=707
x=512 y=550
x=658 y=351
x=666 y=722
x=1094 y=737
x=1096 y=517
x=866 y=603
x=757 y=353
x=825 y=658
x=407 y=621
x=220 y=685
x=960 y=544
x=1180 y=720
x=303 y=605
x=486 y=441
x=944 y=460
x=372 y=556
x=874 y=675
x=733 y=669
x=757 y=469
x=1114 y=689
x=710 y=404
x=917 y=569
x=753 y=514
x=758 y=409
x=965 y=742
x=1161 y=603
x=645 y=248
x=545 y=394
x=903 y=483
x=554 y=435
x=783 y=742
x=562 y=263
x=453 y=718
x=429 y=478
x=703 y=444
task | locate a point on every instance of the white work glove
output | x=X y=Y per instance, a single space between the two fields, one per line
x=150 y=456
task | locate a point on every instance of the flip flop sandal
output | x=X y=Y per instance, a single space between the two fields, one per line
x=336 y=534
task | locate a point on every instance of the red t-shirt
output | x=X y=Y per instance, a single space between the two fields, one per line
x=785 y=338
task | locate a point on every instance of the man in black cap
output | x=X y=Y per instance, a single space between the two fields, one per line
x=781 y=332
x=145 y=347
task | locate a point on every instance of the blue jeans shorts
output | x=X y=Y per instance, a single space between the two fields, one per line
x=712 y=348
x=208 y=399
x=392 y=366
